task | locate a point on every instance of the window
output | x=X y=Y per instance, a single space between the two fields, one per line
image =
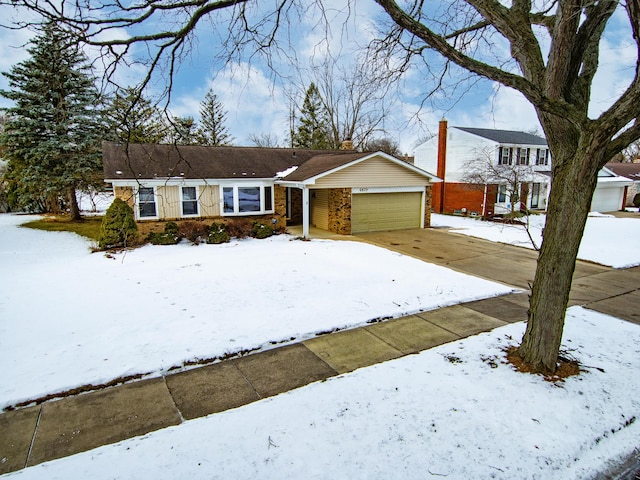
x=146 y=202
x=502 y=194
x=268 y=204
x=227 y=199
x=505 y=156
x=523 y=156
x=247 y=200
x=189 y=201
x=542 y=157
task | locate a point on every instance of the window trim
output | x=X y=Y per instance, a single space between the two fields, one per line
x=501 y=155
x=236 y=203
x=522 y=159
x=155 y=204
x=505 y=193
x=545 y=159
x=197 y=202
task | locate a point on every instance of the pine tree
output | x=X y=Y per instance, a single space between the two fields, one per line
x=184 y=131
x=52 y=133
x=313 y=130
x=212 y=130
x=132 y=118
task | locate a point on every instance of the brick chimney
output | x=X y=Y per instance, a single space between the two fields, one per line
x=442 y=164
x=347 y=144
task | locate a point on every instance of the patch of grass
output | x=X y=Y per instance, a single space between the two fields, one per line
x=88 y=227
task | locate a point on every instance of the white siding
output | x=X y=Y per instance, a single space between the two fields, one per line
x=462 y=148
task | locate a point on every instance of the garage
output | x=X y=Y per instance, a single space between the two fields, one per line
x=610 y=192
x=371 y=212
x=607 y=199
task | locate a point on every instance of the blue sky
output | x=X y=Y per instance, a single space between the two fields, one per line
x=254 y=95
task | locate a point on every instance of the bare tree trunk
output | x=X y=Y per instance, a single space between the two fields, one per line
x=572 y=187
x=74 y=209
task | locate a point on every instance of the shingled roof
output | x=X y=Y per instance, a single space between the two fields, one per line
x=149 y=161
x=511 y=137
x=629 y=170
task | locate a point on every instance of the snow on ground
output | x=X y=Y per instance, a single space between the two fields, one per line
x=456 y=411
x=607 y=240
x=70 y=318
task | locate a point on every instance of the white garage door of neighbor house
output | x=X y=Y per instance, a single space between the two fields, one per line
x=607 y=199
x=372 y=212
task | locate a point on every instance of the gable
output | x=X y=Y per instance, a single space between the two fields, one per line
x=375 y=171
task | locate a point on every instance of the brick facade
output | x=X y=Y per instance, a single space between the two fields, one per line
x=340 y=210
x=428 y=206
x=461 y=196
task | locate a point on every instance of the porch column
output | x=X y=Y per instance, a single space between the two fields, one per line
x=305 y=212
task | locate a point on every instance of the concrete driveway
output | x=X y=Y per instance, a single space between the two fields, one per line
x=608 y=290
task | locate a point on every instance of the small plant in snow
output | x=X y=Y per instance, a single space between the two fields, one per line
x=118 y=227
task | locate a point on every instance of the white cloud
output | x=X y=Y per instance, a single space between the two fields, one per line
x=255 y=104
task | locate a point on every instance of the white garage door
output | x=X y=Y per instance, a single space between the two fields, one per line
x=607 y=199
x=372 y=212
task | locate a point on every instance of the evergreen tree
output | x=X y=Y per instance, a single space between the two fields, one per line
x=52 y=133
x=212 y=130
x=313 y=130
x=184 y=131
x=132 y=118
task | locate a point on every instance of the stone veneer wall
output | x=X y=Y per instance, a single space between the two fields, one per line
x=428 y=196
x=280 y=204
x=340 y=210
x=125 y=194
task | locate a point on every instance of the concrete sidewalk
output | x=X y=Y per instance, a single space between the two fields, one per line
x=75 y=424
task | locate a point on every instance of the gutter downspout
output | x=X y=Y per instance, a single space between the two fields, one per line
x=484 y=201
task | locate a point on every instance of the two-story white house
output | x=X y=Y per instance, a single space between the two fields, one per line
x=490 y=172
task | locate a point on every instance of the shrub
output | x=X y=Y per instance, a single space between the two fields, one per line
x=193 y=231
x=261 y=230
x=218 y=234
x=240 y=227
x=171 y=227
x=118 y=227
x=168 y=237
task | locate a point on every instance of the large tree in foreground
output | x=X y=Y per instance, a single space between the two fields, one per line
x=547 y=50
x=555 y=46
x=52 y=134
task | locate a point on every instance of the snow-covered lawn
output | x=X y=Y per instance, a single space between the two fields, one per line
x=455 y=412
x=607 y=240
x=71 y=318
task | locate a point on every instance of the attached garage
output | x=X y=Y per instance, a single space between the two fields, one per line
x=361 y=192
x=609 y=195
x=607 y=199
x=371 y=212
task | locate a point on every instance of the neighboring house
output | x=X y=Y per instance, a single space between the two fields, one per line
x=630 y=171
x=341 y=191
x=489 y=172
x=455 y=151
